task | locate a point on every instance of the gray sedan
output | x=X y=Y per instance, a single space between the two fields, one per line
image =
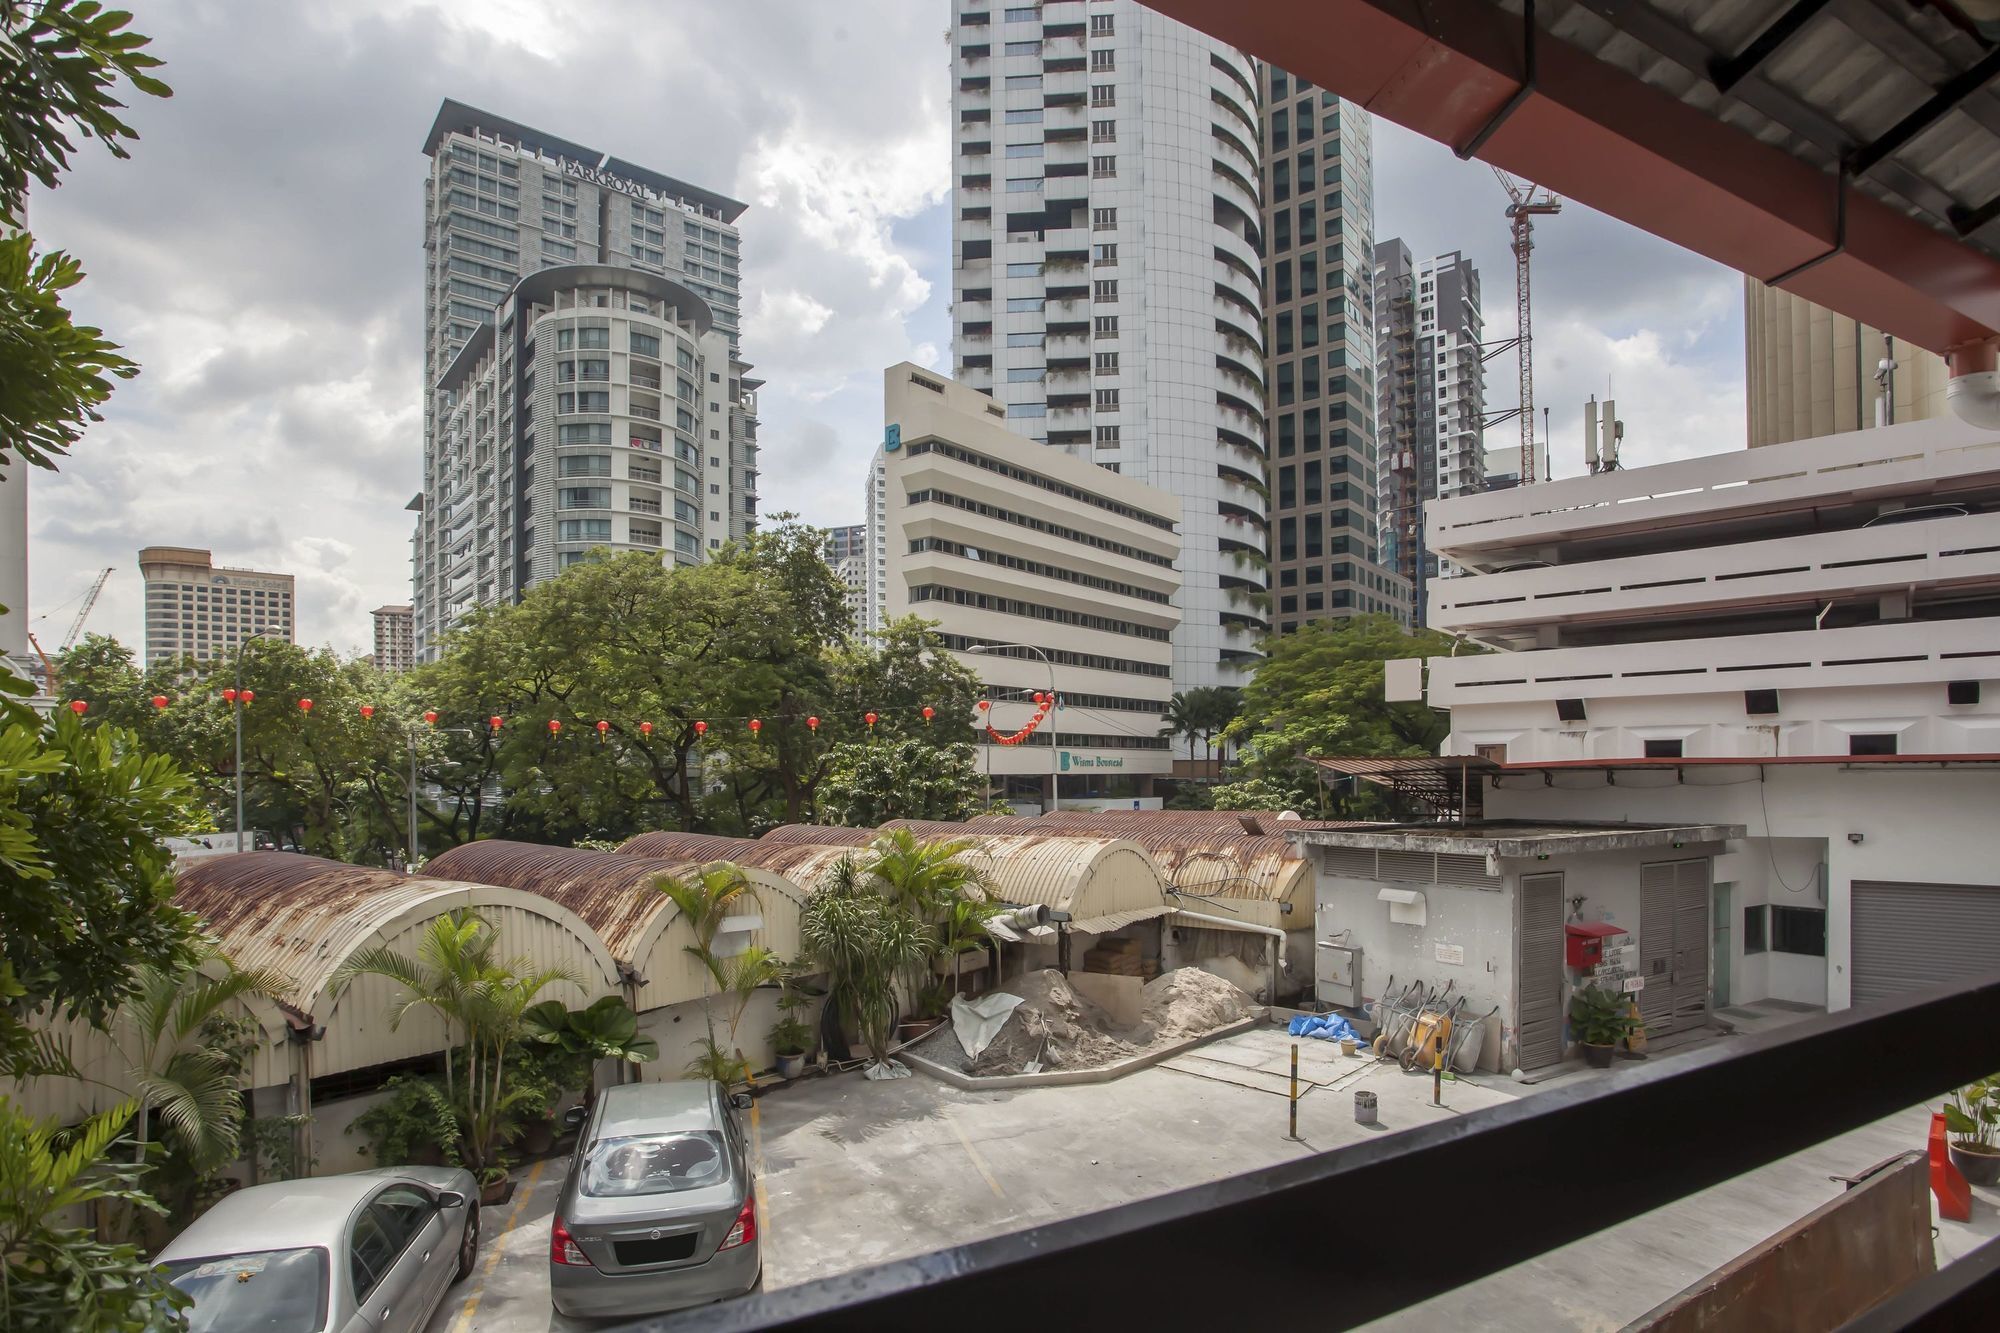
x=659 y=1211
x=372 y=1251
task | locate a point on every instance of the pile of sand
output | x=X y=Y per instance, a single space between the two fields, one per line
x=1055 y=1024
x=1066 y=1030
x=1188 y=1002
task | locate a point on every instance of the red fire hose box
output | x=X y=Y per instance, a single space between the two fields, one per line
x=1584 y=941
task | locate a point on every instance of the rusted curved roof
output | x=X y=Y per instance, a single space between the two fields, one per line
x=800 y=862
x=1265 y=822
x=299 y=917
x=823 y=835
x=1205 y=858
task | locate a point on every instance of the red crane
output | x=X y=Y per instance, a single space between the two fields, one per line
x=1525 y=200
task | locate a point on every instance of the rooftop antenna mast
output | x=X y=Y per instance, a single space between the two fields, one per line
x=1525 y=200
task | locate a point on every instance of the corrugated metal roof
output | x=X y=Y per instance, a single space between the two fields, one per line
x=298 y=917
x=1110 y=921
x=1207 y=857
x=1265 y=821
x=800 y=862
x=824 y=835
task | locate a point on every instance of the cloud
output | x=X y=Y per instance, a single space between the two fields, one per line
x=260 y=257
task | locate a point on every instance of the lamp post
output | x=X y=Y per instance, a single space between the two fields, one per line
x=1055 y=757
x=236 y=704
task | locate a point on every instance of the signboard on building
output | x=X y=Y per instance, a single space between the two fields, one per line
x=1450 y=953
x=1069 y=759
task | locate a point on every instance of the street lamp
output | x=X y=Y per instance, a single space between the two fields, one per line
x=1055 y=758
x=236 y=704
x=416 y=853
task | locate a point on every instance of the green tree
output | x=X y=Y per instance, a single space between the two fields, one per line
x=864 y=941
x=868 y=785
x=719 y=891
x=1318 y=692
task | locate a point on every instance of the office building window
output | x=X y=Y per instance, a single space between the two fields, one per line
x=1104 y=289
x=1103 y=219
x=1103 y=168
x=1104 y=131
x=1103 y=94
x=1107 y=400
x=1103 y=60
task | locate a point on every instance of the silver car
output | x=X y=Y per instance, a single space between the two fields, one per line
x=370 y=1252
x=659 y=1211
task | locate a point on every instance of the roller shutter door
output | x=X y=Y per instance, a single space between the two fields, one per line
x=1908 y=936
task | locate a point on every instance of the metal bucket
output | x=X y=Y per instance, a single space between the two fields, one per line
x=1364 y=1108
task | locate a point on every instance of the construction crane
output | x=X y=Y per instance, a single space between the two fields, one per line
x=53 y=684
x=1525 y=201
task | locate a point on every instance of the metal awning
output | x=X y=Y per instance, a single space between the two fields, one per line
x=1110 y=921
x=1439 y=783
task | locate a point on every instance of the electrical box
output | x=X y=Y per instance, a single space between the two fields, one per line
x=1337 y=975
x=1584 y=941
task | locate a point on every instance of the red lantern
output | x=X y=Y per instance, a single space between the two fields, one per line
x=78 y=706
x=985 y=704
x=430 y=717
x=554 y=726
x=813 y=724
x=869 y=718
x=493 y=725
x=756 y=725
x=305 y=705
x=645 y=728
x=247 y=695
x=701 y=729
x=159 y=701
x=1040 y=697
x=602 y=727
x=229 y=696
x=929 y=713
x=367 y=711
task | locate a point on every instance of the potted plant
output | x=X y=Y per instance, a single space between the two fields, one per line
x=790 y=1040
x=1600 y=1019
x=494 y=1186
x=1972 y=1117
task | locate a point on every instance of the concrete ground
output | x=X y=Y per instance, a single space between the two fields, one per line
x=856 y=1173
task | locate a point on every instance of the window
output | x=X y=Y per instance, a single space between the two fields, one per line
x=1102 y=168
x=1019 y=303
x=584 y=497
x=1103 y=219
x=1027 y=339
x=1024 y=150
x=1107 y=436
x=1100 y=25
x=1663 y=749
x=1104 y=289
x=1103 y=254
x=1025 y=374
x=1107 y=363
x=1023 y=184
x=1800 y=930
x=1031 y=269
x=1028 y=48
x=1755 y=919
x=1103 y=60
x=1104 y=131
x=1022 y=81
x=629 y=1165
x=583 y=465
x=1881 y=742
x=1103 y=94
x=583 y=530
x=1031 y=116
x=596 y=340
x=645 y=344
x=1107 y=400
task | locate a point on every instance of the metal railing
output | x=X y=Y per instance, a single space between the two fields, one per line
x=1301 y=1242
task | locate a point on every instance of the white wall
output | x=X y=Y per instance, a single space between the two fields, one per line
x=1925 y=825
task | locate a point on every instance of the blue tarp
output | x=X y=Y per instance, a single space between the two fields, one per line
x=1326 y=1027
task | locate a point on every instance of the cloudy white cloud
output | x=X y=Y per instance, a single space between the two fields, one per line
x=260 y=256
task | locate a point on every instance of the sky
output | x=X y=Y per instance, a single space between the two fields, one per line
x=260 y=257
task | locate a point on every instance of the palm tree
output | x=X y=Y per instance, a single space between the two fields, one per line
x=963 y=928
x=1180 y=719
x=481 y=999
x=925 y=877
x=703 y=902
x=181 y=1063
x=1212 y=708
x=864 y=940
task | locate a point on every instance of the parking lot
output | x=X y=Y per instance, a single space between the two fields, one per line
x=855 y=1173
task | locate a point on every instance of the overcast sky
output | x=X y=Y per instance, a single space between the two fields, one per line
x=261 y=257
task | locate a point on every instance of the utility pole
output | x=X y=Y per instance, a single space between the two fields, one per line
x=1525 y=200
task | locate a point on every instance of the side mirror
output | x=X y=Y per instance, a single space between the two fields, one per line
x=575 y=1116
x=740 y=1100
x=450 y=1199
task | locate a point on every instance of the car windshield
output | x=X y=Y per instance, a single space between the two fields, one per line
x=269 y=1291
x=654 y=1164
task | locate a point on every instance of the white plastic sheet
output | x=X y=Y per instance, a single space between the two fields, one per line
x=978 y=1022
x=882 y=1069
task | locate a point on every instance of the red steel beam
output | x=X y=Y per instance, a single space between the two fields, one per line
x=1593 y=133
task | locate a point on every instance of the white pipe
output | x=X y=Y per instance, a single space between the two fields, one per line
x=1276 y=935
x=1975 y=398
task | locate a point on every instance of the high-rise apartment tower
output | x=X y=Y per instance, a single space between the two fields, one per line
x=662 y=420
x=1319 y=339
x=197 y=608
x=1107 y=280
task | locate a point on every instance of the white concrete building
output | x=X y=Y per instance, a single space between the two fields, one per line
x=1108 y=275
x=394 y=648
x=505 y=204
x=197 y=608
x=875 y=546
x=1799 y=640
x=1064 y=570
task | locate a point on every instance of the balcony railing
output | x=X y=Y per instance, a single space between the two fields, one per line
x=1675 y=1125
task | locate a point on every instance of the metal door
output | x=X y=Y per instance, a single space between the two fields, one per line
x=1908 y=936
x=1539 y=1020
x=1673 y=945
x=1722 y=953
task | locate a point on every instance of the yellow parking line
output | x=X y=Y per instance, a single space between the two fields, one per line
x=977 y=1160
x=493 y=1247
x=757 y=1171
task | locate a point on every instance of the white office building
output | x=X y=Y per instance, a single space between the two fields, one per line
x=512 y=216
x=1108 y=275
x=197 y=608
x=1798 y=640
x=1043 y=573
x=875 y=546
